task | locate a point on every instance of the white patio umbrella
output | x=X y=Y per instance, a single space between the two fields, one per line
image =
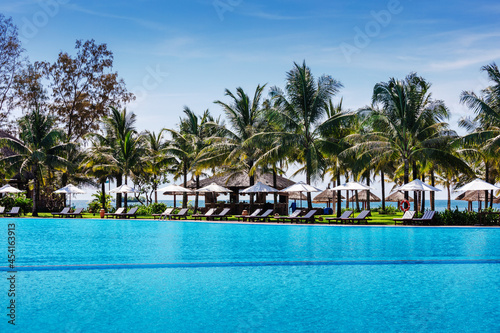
x=478 y=185
x=124 y=189
x=351 y=186
x=213 y=188
x=174 y=190
x=69 y=189
x=259 y=188
x=417 y=186
x=9 y=189
x=301 y=187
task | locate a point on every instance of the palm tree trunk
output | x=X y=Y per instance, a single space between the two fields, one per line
x=339 y=196
x=486 y=179
x=423 y=195
x=197 y=195
x=416 y=203
x=34 y=210
x=406 y=176
x=275 y=185
x=184 y=195
x=357 y=200
x=103 y=190
x=448 y=188
x=432 y=194
x=368 y=194
x=309 y=198
x=119 y=183
x=382 y=183
x=125 y=196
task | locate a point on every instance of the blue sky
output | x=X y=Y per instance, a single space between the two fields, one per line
x=177 y=53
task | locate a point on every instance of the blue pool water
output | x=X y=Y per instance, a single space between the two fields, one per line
x=143 y=276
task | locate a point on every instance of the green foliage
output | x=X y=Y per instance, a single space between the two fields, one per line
x=157 y=208
x=143 y=210
x=455 y=217
x=17 y=200
x=389 y=210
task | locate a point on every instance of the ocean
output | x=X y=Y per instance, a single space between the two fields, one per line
x=441 y=205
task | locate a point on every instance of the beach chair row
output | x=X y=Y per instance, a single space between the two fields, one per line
x=14 y=212
x=122 y=214
x=346 y=218
x=66 y=212
x=409 y=218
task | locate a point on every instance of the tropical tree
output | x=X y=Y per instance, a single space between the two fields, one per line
x=409 y=126
x=300 y=111
x=121 y=149
x=40 y=147
x=483 y=139
x=157 y=160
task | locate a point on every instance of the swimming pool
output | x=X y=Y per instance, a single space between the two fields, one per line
x=79 y=275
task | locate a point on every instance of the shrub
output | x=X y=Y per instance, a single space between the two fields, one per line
x=456 y=217
x=17 y=200
x=157 y=208
x=143 y=210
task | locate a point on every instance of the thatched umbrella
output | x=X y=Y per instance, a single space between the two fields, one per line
x=471 y=196
x=327 y=196
x=362 y=197
x=397 y=197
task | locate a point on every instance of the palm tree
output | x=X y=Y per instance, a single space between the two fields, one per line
x=40 y=147
x=484 y=129
x=121 y=147
x=410 y=126
x=300 y=111
x=246 y=118
x=158 y=159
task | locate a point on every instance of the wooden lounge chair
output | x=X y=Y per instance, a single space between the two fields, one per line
x=61 y=213
x=183 y=213
x=407 y=217
x=426 y=218
x=245 y=217
x=362 y=217
x=118 y=212
x=284 y=218
x=306 y=218
x=164 y=215
x=345 y=215
x=131 y=213
x=209 y=213
x=264 y=217
x=222 y=215
x=15 y=211
x=77 y=213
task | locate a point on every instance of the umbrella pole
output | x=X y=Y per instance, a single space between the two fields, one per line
x=175 y=203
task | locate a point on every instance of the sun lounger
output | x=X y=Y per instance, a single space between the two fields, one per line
x=131 y=213
x=407 y=217
x=264 y=217
x=245 y=217
x=164 y=215
x=209 y=213
x=113 y=215
x=345 y=215
x=284 y=218
x=222 y=215
x=15 y=211
x=2 y=210
x=425 y=219
x=306 y=218
x=61 y=213
x=183 y=213
x=77 y=213
x=362 y=217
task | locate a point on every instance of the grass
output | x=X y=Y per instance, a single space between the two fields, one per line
x=376 y=218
